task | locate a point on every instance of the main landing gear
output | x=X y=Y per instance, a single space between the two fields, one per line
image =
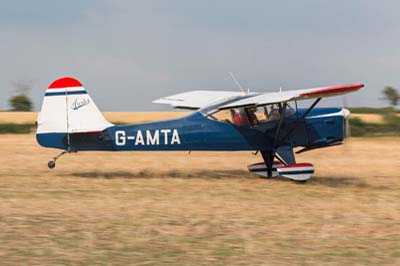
x=299 y=172
x=52 y=163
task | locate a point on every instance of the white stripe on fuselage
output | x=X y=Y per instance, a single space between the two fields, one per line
x=340 y=113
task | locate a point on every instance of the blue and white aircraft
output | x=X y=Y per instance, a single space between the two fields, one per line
x=268 y=123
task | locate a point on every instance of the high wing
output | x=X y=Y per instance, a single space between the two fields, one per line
x=285 y=96
x=197 y=99
x=231 y=99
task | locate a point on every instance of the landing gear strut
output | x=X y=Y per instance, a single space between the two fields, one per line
x=269 y=160
x=270 y=155
x=52 y=163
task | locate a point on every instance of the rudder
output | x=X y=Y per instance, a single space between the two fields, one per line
x=67 y=109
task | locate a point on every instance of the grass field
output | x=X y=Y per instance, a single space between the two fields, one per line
x=369 y=118
x=171 y=208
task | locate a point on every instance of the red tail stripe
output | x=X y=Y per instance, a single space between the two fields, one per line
x=65 y=83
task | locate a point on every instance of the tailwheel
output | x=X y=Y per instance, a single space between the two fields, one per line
x=52 y=163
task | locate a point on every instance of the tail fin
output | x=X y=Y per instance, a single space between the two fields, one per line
x=67 y=108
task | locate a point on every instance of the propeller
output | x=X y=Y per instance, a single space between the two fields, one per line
x=346 y=115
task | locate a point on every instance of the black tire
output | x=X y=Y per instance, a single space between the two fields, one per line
x=51 y=164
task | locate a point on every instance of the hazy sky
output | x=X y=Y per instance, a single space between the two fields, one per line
x=127 y=53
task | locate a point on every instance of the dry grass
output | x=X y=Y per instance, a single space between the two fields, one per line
x=369 y=118
x=204 y=209
x=18 y=117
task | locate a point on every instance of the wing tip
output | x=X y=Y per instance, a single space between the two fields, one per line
x=340 y=89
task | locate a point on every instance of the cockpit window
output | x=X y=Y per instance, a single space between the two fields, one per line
x=289 y=111
x=240 y=117
x=222 y=116
x=251 y=115
x=271 y=112
x=237 y=116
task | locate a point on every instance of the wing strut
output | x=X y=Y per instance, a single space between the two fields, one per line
x=269 y=161
x=301 y=119
x=269 y=156
x=281 y=120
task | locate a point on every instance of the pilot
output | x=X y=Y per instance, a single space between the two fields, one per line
x=274 y=113
x=253 y=116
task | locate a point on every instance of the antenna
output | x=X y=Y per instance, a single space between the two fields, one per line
x=237 y=83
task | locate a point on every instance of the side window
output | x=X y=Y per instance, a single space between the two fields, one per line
x=289 y=111
x=237 y=116
x=222 y=116
x=240 y=117
x=257 y=115
x=272 y=112
x=251 y=116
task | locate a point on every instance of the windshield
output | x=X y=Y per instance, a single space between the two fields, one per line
x=214 y=107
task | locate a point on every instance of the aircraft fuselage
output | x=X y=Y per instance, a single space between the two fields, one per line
x=196 y=132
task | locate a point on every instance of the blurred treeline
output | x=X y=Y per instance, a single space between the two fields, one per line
x=389 y=127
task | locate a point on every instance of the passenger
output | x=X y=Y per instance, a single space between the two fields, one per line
x=235 y=117
x=239 y=118
x=243 y=117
